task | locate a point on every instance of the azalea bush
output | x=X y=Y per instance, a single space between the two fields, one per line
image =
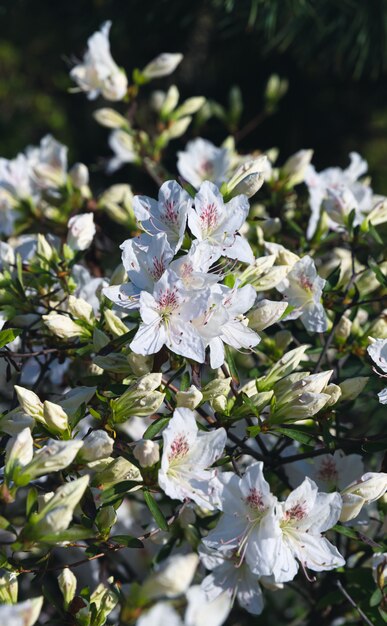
x=193 y=395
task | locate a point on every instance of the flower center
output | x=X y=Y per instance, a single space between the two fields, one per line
x=179 y=448
x=209 y=216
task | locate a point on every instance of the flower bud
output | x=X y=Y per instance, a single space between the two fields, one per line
x=81 y=231
x=80 y=309
x=173 y=577
x=55 y=417
x=114 y=324
x=334 y=392
x=379 y=326
x=118 y=203
x=79 y=175
x=219 y=404
x=190 y=398
x=352 y=505
x=110 y=118
x=343 y=329
x=149 y=382
x=62 y=326
x=248 y=178
x=29 y=402
x=165 y=103
x=266 y=313
x=19 y=452
x=215 y=388
x=119 y=469
x=276 y=88
x=68 y=585
x=301 y=408
x=140 y=364
x=97 y=445
x=53 y=457
x=189 y=107
x=295 y=167
x=147 y=452
x=371 y=486
x=43 y=248
x=163 y=65
x=177 y=129
x=286 y=364
x=351 y=388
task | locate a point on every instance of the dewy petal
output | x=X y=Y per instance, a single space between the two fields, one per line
x=182 y=338
x=144 y=207
x=314 y=318
x=240 y=249
x=203 y=161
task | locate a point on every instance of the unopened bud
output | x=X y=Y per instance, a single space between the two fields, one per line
x=163 y=65
x=147 y=452
x=80 y=309
x=173 y=578
x=68 y=585
x=114 y=324
x=29 y=402
x=295 y=167
x=190 y=398
x=55 y=417
x=62 y=326
x=334 y=392
x=189 y=107
x=248 y=178
x=8 y=588
x=343 y=329
x=215 y=388
x=81 y=231
x=110 y=118
x=266 y=313
x=140 y=364
x=43 y=248
x=79 y=175
x=97 y=445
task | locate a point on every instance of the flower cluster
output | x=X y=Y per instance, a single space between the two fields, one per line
x=192 y=386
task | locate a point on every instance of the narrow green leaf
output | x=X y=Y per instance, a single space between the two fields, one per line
x=298 y=435
x=345 y=530
x=127 y=540
x=155 y=427
x=118 y=491
x=231 y=365
x=155 y=510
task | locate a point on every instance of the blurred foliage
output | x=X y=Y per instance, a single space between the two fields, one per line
x=333 y=54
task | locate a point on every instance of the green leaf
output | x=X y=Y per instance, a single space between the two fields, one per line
x=32 y=501
x=185 y=381
x=155 y=427
x=8 y=335
x=298 y=435
x=155 y=510
x=346 y=531
x=111 y=495
x=376 y=597
x=231 y=365
x=127 y=540
x=75 y=533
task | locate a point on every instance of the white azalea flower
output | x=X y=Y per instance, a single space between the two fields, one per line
x=330 y=472
x=168 y=214
x=81 y=231
x=306 y=514
x=223 y=321
x=378 y=353
x=333 y=178
x=249 y=524
x=229 y=576
x=193 y=267
x=302 y=288
x=217 y=223
x=167 y=316
x=98 y=73
x=172 y=577
x=145 y=260
x=121 y=143
x=202 y=161
x=187 y=455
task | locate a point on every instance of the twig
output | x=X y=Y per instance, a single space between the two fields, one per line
x=353 y=603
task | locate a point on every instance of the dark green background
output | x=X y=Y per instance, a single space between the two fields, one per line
x=333 y=54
